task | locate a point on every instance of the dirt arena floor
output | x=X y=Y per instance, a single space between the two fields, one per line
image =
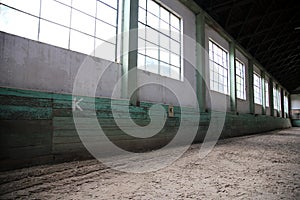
x=264 y=166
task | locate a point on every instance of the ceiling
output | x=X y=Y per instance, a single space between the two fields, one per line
x=268 y=29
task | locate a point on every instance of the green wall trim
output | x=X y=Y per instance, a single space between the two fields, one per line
x=296 y=122
x=38 y=127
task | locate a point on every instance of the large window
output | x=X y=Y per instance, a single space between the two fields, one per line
x=267 y=94
x=159 y=40
x=276 y=98
x=240 y=80
x=218 y=65
x=286 y=104
x=72 y=24
x=257 y=89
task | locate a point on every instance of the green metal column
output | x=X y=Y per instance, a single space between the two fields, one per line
x=271 y=97
x=251 y=89
x=282 y=102
x=263 y=95
x=233 y=104
x=129 y=50
x=200 y=56
x=289 y=106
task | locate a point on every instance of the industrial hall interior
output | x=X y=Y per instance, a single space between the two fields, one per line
x=149 y=99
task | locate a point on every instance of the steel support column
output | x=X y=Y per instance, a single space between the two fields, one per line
x=200 y=74
x=251 y=89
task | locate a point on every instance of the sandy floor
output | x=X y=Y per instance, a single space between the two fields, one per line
x=265 y=166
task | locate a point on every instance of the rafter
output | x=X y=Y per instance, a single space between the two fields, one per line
x=247 y=18
x=284 y=45
x=282 y=41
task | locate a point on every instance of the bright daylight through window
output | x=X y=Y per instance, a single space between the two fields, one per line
x=159 y=40
x=218 y=64
x=257 y=89
x=240 y=80
x=72 y=24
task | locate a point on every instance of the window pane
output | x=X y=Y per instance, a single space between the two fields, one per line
x=175 y=34
x=67 y=2
x=165 y=56
x=83 y=22
x=175 y=47
x=175 y=73
x=165 y=28
x=151 y=51
x=153 y=7
x=62 y=12
x=87 y=6
x=152 y=35
x=153 y=21
x=164 y=69
x=106 y=13
x=141 y=46
x=152 y=65
x=108 y=34
x=164 y=15
x=81 y=42
x=18 y=23
x=164 y=41
x=141 y=61
x=142 y=15
x=112 y=3
x=32 y=6
x=54 y=34
x=142 y=3
x=175 y=22
x=175 y=60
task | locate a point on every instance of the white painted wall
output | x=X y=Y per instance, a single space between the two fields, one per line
x=27 y=64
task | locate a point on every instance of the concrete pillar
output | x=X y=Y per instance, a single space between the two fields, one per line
x=129 y=50
x=233 y=104
x=263 y=95
x=271 y=100
x=200 y=74
x=251 y=89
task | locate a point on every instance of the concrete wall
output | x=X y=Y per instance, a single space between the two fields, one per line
x=28 y=64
